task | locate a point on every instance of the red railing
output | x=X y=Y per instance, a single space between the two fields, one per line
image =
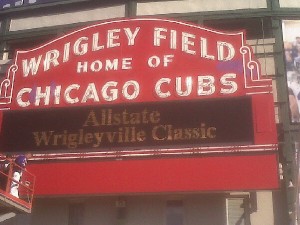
x=25 y=187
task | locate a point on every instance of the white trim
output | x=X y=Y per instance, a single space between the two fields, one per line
x=158 y=152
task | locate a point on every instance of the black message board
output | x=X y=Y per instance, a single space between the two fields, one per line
x=132 y=126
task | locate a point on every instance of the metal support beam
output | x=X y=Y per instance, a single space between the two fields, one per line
x=273 y=4
x=131 y=9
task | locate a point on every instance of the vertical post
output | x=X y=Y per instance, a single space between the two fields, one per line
x=9 y=176
x=131 y=9
x=4 y=30
x=273 y=4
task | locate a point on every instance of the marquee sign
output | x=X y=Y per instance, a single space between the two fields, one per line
x=142 y=89
x=130 y=61
x=199 y=90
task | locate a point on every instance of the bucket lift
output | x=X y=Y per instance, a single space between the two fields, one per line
x=8 y=202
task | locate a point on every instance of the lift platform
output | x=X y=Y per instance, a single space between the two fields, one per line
x=11 y=203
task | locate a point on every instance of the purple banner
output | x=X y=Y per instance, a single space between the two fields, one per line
x=4 y=4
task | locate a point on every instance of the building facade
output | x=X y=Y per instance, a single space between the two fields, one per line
x=222 y=189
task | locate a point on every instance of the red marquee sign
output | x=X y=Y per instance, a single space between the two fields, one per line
x=132 y=60
x=199 y=91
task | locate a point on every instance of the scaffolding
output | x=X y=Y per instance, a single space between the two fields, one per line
x=9 y=202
